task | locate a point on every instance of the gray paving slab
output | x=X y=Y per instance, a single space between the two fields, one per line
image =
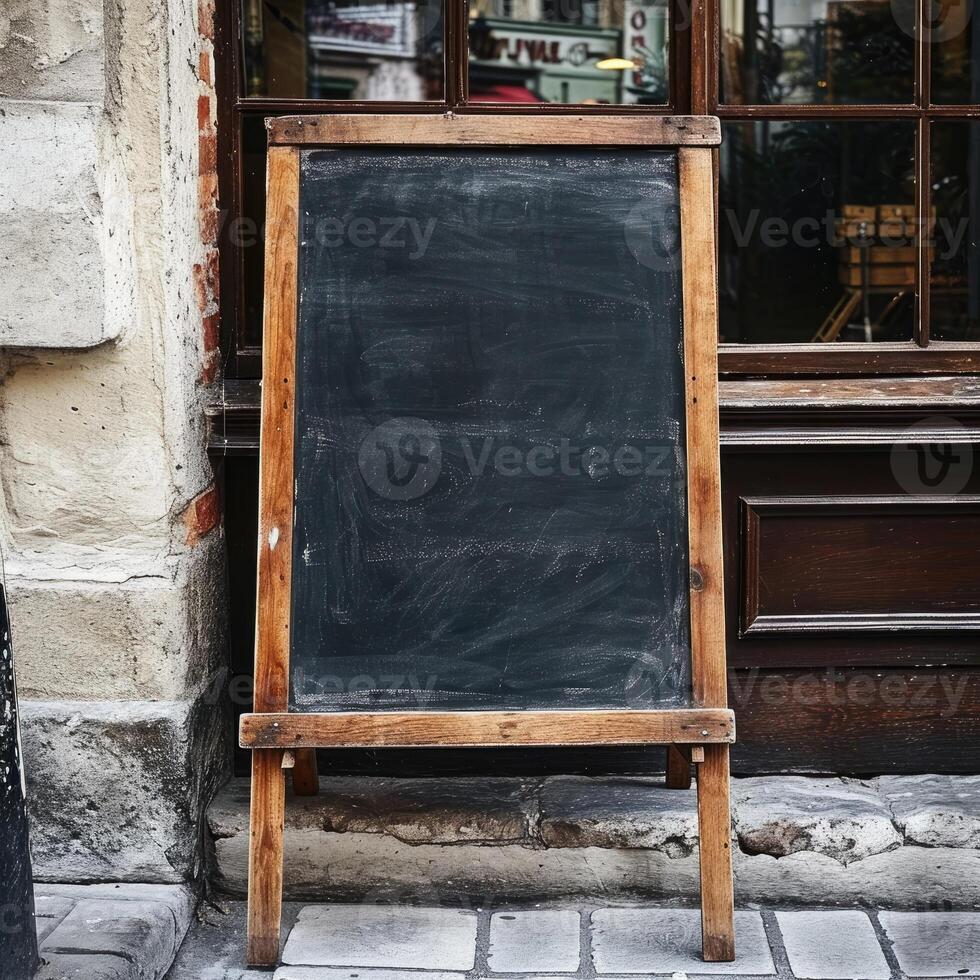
x=394 y=937
x=835 y=945
x=356 y=973
x=142 y=932
x=48 y=912
x=215 y=946
x=663 y=941
x=83 y=966
x=535 y=941
x=934 y=944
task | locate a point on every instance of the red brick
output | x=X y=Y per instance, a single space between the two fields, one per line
x=208 y=223
x=206 y=280
x=211 y=368
x=204 y=68
x=201 y=286
x=203 y=113
x=211 y=261
x=205 y=19
x=207 y=153
x=202 y=515
x=210 y=326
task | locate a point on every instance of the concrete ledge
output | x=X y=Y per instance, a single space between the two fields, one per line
x=799 y=841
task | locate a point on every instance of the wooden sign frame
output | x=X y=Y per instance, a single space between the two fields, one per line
x=281 y=739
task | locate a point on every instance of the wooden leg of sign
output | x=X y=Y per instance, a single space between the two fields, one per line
x=265 y=856
x=306 y=779
x=715 y=829
x=678 y=767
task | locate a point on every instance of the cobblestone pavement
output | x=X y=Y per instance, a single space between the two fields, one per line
x=389 y=942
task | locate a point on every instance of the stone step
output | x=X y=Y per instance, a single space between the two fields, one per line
x=908 y=842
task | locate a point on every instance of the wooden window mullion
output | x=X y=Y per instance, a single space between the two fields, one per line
x=456 y=40
x=923 y=170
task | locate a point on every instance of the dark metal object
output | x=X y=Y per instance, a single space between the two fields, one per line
x=18 y=938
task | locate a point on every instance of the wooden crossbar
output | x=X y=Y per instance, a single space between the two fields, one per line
x=432 y=729
x=460 y=129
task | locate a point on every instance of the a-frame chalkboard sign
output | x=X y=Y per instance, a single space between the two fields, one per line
x=490 y=510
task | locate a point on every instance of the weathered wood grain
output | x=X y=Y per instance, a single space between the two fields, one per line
x=474 y=728
x=715 y=850
x=274 y=548
x=276 y=457
x=456 y=129
x=703 y=452
x=265 y=847
x=678 y=767
x=306 y=778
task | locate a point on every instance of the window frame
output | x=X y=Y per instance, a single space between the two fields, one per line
x=695 y=54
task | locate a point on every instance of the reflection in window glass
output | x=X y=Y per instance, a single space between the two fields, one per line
x=955 y=292
x=245 y=233
x=787 y=52
x=817 y=232
x=572 y=51
x=316 y=49
x=955 y=35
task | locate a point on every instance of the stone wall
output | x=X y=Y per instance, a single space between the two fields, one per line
x=109 y=521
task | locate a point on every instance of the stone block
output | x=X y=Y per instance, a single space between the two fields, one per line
x=386 y=936
x=415 y=811
x=935 y=811
x=52 y=50
x=537 y=940
x=138 y=627
x=934 y=944
x=649 y=940
x=832 y=946
x=903 y=878
x=841 y=819
x=628 y=813
x=115 y=788
x=179 y=899
x=51 y=208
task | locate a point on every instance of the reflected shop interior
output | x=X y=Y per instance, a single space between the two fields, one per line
x=826 y=207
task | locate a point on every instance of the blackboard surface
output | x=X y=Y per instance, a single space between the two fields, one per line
x=490 y=496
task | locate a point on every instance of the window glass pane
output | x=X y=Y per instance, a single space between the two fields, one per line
x=571 y=51
x=315 y=49
x=246 y=232
x=955 y=37
x=816 y=231
x=955 y=291
x=787 y=52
